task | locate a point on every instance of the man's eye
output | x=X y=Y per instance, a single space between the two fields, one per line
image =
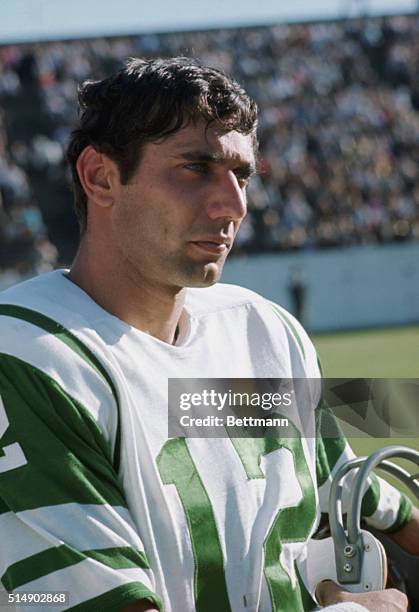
x=197 y=167
x=243 y=178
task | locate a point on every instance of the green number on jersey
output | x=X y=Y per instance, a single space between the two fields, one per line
x=291 y=524
x=177 y=467
x=11 y=456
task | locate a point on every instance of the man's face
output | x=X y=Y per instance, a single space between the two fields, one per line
x=175 y=222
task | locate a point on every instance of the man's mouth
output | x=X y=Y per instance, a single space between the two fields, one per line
x=211 y=246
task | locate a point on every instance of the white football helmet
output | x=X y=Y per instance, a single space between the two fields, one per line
x=355 y=558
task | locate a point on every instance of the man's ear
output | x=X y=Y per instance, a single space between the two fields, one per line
x=98 y=175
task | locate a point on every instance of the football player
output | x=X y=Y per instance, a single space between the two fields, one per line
x=96 y=499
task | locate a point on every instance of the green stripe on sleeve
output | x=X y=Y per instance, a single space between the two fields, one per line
x=119 y=558
x=39 y=565
x=371 y=497
x=59 y=557
x=285 y=319
x=68 y=459
x=59 y=331
x=330 y=443
x=117 y=598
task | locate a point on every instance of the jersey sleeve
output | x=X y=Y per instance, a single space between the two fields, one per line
x=383 y=506
x=64 y=521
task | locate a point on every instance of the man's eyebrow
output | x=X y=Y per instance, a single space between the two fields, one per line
x=197 y=155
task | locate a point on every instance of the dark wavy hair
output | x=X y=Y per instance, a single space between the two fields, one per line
x=146 y=101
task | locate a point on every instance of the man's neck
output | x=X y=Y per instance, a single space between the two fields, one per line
x=147 y=306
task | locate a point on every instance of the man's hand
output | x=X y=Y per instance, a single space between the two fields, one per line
x=408 y=536
x=329 y=593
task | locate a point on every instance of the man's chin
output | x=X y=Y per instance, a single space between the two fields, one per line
x=206 y=276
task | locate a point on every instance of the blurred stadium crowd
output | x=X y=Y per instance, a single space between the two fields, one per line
x=339 y=132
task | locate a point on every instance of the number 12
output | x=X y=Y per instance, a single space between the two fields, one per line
x=291 y=524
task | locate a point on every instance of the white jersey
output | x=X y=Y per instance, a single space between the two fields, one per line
x=96 y=499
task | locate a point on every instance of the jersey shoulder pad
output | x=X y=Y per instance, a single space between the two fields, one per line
x=44 y=325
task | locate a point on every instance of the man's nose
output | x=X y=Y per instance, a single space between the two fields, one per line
x=227 y=198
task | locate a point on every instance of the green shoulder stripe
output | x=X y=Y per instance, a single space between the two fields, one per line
x=285 y=319
x=60 y=332
x=59 y=557
x=68 y=457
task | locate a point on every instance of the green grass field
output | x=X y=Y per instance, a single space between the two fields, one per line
x=385 y=353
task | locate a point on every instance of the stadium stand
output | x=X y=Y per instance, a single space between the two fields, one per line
x=339 y=132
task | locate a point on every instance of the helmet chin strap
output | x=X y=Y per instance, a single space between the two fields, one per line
x=355 y=559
